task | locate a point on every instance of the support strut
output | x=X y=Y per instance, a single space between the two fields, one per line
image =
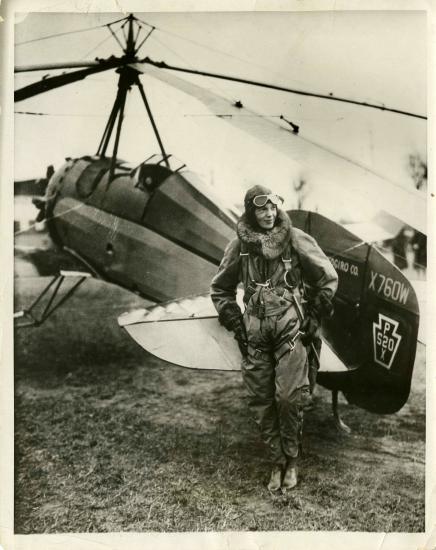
x=128 y=78
x=339 y=423
x=28 y=317
x=109 y=127
x=122 y=103
x=150 y=116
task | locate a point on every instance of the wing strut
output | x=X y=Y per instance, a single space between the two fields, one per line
x=31 y=319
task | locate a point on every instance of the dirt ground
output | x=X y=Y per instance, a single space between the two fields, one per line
x=109 y=438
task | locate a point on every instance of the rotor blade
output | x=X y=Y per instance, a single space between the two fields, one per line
x=163 y=65
x=329 y=168
x=61 y=80
x=53 y=66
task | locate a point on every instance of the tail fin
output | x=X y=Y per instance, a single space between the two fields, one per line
x=375 y=326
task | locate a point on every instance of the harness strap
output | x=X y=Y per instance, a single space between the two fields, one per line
x=252 y=272
x=248 y=273
x=249 y=270
x=287 y=264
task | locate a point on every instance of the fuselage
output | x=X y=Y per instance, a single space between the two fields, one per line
x=151 y=229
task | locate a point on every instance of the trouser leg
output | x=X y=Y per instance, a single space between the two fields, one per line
x=259 y=378
x=291 y=391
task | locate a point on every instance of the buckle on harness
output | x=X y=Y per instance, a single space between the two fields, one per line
x=285 y=278
x=293 y=341
x=266 y=284
x=291 y=344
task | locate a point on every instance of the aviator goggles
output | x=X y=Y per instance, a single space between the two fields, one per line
x=260 y=200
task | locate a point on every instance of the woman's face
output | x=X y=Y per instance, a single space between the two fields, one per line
x=266 y=216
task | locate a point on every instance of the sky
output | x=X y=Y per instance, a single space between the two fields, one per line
x=368 y=56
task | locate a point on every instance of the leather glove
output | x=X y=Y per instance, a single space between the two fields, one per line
x=310 y=327
x=322 y=305
x=241 y=337
x=231 y=318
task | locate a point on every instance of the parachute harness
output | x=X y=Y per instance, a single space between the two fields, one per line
x=255 y=287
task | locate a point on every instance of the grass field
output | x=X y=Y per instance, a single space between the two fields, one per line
x=109 y=438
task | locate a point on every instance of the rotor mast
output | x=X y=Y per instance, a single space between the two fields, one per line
x=130 y=44
x=128 y=77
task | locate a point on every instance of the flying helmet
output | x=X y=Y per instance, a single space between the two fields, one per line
x=256 y=197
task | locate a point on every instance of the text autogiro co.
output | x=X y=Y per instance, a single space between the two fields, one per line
x=345 y=266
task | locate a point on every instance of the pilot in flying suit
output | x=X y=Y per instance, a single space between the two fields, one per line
x=279 y=266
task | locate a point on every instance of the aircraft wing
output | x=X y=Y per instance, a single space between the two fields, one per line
x=369 y=232
x=333 y=170
x=187 y=333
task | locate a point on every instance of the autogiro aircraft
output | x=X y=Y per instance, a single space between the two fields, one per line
x=157 y=230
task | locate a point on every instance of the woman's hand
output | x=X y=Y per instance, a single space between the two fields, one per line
x=231 y=318
x=241 y=336
x=310 y=328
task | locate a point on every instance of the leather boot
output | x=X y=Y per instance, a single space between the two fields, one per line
x=275 y=481
x=290 y=479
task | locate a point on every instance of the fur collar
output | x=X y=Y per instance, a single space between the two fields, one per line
x=270 y=243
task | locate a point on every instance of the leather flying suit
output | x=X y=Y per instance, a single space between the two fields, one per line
x=275 y=370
